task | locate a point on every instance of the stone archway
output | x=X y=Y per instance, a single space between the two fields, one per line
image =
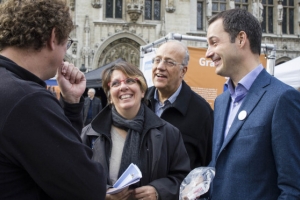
x=282 y=60
x=122 y=45
x=124 y=48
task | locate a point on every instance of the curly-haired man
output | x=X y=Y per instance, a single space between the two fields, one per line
x=41 y=154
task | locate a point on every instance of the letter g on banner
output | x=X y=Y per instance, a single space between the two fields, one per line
x=206 y=63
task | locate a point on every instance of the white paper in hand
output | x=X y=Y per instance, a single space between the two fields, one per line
x=131 y=175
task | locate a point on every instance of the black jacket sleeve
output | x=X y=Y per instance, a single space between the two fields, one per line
x=42 y=139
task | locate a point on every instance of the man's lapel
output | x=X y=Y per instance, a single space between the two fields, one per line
x=251 y=100
x=222 y=106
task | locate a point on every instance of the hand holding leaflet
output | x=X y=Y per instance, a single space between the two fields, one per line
x=131 y=175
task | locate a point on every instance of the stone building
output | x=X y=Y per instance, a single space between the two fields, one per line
x=108 y=29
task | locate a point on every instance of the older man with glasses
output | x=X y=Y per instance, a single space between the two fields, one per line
x=174 y=101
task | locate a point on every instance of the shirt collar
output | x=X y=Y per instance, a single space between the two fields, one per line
x=246 y=81
x=172 y=98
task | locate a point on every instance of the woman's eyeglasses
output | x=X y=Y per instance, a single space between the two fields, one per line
x=128 y=81
x=69 y=43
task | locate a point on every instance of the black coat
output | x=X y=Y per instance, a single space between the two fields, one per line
x=193 y=116
x=162 y=144
x=96 y=108
x=41 y=154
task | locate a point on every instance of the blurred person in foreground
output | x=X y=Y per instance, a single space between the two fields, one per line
x=41 y=153
x=256 y=141
x=92 y=106
x=127 y=131
x=174 y=101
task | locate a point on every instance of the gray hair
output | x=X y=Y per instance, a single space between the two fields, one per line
x=92 y=90
x=186 y=58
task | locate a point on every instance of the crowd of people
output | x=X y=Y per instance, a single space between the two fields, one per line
x=75 y=148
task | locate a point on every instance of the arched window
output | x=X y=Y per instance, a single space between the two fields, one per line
x=114 y=9
x=152 y=9
x=288 y=17
x=200 y=15
x=267 y=23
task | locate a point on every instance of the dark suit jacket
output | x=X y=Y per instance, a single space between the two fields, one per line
x=97 y=106
x=193 y=116
x=260 y=157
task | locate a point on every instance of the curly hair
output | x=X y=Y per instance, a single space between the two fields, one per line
x=129 y=70
x=29 y=23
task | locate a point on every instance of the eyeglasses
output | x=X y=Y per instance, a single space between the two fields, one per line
x=169 y=63
x=69 y=43
x=128 y=81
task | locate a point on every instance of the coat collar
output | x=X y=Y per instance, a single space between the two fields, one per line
x=103 y=121
x=253 y=97
x=181 y=102
x=20 y=71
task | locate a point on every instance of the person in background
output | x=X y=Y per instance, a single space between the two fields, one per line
x=174 y=101
x=41 y=153
x=256 y=140
x=92 y=106
x=127 y=131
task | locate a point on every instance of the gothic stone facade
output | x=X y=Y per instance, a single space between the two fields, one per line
x=108 y=29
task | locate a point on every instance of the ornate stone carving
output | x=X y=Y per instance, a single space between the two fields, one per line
x=124 y=48
x=74 y=48
x=257 y=10
x=96 y=4
x=279 y=12
x=163 y=28
x=260 y=11
x=170 y=7
x=134 y=10
x=125 y=27
x=231 y=4
x=208 y=9
x=72 y=5
x=86 y=24
x=134 y=15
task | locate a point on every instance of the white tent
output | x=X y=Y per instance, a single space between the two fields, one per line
x=289 y=72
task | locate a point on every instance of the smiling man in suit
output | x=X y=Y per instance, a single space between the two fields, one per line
x=256 y=138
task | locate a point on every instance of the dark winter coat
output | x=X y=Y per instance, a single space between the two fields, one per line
x=96 y=107
x=168 y=163
x=41 y=154
x=193 y=116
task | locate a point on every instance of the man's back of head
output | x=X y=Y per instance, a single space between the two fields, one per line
x=34 y=34
x=28 y=24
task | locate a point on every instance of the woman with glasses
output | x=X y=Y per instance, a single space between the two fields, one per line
x=126 y=132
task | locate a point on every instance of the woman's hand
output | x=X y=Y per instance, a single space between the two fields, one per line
x=145 y=193
x=123 y=195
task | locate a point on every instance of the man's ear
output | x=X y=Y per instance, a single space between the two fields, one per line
x=241 y=38
x=52 y=41
x=184 y=70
